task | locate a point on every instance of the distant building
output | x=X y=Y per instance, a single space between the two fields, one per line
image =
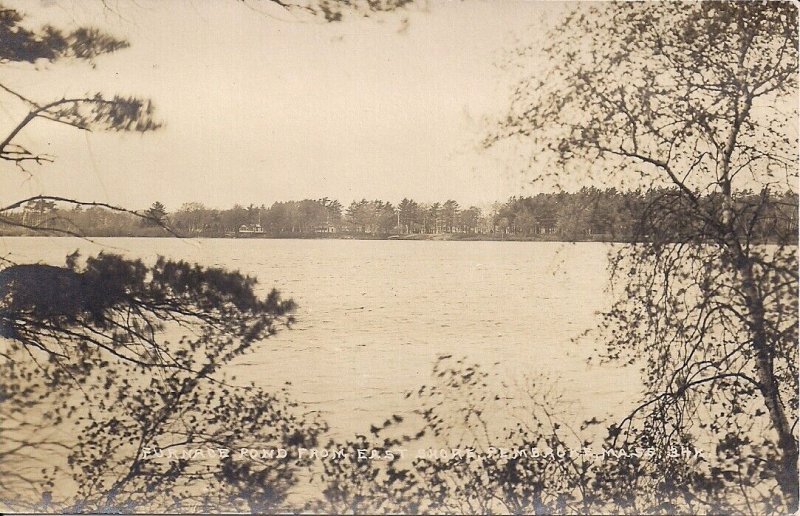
x=250 y=228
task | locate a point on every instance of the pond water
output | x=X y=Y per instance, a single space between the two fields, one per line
x=374 y=315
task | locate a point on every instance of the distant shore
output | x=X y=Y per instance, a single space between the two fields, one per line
x=435 y=237
x=588 y=215
x=430 y=237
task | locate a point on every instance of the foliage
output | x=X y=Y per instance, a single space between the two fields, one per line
x=337 y=10
x=700 y=98
x=96 y=358
x=21 y=45
x=156 y=215
x=541 y=466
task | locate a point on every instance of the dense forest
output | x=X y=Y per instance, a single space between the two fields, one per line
x=588 y=214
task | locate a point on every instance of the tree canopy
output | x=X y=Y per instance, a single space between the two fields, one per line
x=701 y=97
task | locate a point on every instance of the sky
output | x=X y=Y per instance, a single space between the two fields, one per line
x=260 y=105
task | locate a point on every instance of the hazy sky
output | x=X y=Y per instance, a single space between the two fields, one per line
x=266 y=106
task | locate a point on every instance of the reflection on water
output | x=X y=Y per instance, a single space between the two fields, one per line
x=374 y=315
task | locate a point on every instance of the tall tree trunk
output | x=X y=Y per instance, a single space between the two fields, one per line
x=765 y=372
x=788 y=476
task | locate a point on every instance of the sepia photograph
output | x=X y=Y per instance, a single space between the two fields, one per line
x=399 y=257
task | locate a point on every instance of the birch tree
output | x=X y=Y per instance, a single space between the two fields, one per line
x=699 y=98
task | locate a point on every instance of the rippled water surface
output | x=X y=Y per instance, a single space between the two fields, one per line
x=374 y=315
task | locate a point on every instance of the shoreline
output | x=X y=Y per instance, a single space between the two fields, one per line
x=435 y=237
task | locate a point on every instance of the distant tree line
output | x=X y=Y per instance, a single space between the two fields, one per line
x=588 y=214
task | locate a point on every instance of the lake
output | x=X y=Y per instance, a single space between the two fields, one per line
x=374 y=315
